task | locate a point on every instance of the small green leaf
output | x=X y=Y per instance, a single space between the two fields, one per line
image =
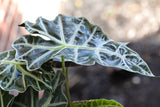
x=79 y=42
x=97 y=103
x=6 y=99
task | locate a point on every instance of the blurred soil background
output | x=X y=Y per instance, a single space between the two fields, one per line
x=136 y=21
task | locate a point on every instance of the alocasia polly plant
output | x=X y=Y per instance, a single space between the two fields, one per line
x=29 y=68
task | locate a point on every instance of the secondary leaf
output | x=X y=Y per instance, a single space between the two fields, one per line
x=97 y=103
x=48 y=99
x=51 y=97
x=78 y=41
x=14 y=76
x=6 y=99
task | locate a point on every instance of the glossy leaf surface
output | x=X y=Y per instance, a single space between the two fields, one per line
x=77 y=40
x=97 y=103
x=14 y=76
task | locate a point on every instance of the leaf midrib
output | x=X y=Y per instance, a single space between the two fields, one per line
x=69 y=46
x=102 y=50
x=65 y=45
x=13 y=62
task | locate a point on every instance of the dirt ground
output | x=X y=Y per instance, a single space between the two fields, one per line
x=137 y=21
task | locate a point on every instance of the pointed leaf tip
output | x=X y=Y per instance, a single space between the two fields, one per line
x=22 y=25
x=79 y=41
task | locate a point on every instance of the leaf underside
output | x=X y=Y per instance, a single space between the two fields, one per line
x=97 y=103
x=78 y=41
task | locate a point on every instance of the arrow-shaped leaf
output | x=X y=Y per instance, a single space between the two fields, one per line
x=77 y=40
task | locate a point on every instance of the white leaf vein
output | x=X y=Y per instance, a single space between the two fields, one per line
x=75 y=32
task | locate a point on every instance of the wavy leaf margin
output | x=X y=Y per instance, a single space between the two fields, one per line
x=79 y=41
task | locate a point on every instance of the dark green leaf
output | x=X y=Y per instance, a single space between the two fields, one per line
x=56 y=98
x=14 y=76
x=6 y=99
x=50 y=98
x=97 y=103
x=77 y=40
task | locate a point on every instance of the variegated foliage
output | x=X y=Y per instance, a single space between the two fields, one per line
x=15 y=76
x=79 y=41
x=29 y=66
x=48 y=99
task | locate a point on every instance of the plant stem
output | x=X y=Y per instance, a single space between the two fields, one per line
x=63 y=65
x=65 y=71
x=32 y=97
x=1 y=97
x=67 y=89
